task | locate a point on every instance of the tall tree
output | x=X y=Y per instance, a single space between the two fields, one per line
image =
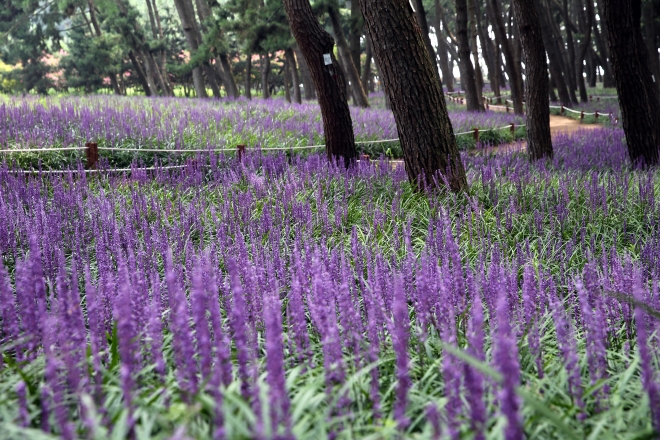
x=188 y=23
x=512 y=69
x=316 y=46
x=420 y=13
x=585 y=41
x=291 y=59
x=425 y=131
x=443 y=50
x=539 y=143
x=638 y=93
x=468 y=77
x=346 y=58
x=554 y=56
x=305 y=75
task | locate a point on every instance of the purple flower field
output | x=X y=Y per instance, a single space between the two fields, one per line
x=287 y=297
x=179 y=123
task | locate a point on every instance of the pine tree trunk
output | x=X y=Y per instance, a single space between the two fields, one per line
x=265 y=76
x=650 y=19
x=347 y=60
x=425 y=131
x=291 y=58
x=142 y=75
x=468 y=77
x=553 y=56
x=186 y=15
x=539 y=143
x=443 y=50
x=366 y=71
x=585 y=41
x=356 y=32
x=603 y=53
x=638 y=94
x=305 y=75
x=248 y=76
x=316 y=46
x=472 y=33
x=512 y=69
x=488 y=51
x=420 y=13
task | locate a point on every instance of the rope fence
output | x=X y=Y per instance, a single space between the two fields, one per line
x=562 y=109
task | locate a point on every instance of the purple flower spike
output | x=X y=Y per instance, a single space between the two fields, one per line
x=505 y=357
x=648 y=372
x=401 y=322
x=279 y=398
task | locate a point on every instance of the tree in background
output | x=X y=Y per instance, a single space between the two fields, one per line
x=539 y=143
x=635 y=84
x=427 y=139
x=317 y=47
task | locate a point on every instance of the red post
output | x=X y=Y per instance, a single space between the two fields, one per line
x=596 y=115
x=365 y=158
x=241 y=151
x=507 y=107
x=581 y=115
x=513 y=129
x=476 y=135
x=92 y=153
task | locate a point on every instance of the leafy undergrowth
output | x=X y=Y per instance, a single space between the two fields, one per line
x=289 y=297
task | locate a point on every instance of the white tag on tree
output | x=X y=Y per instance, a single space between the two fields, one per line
x=327 y=59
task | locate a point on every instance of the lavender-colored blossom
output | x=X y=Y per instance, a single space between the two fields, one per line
x=400 y=335
x=505 y=359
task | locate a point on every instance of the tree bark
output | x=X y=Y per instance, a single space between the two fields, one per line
x=99 y=33
x=248 y=76
x=420 y=13
x=468 y=78
x=366 y=71
x=512 y=69
x=553 y=56
x=305 y=75
x=603 y=53
x=539 y=143
x=291 y=58
x=585 y=27
x=427 y=139
x=443 y=50
x=638 y=94
x=187 y=17
x=356 y=31
x=265 y=76
x=488 y=51
x=472 y=33
x=347 y=60
x=650 y=18
x=316 y=46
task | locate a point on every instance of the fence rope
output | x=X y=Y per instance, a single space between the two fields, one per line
x=24 y=150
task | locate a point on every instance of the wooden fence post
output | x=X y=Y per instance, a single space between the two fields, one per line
x=561 y=112
x=513 y=129
x=596 y=115
x=92 y=153
x=581 y=116
x=476 y=135
x=240 y=149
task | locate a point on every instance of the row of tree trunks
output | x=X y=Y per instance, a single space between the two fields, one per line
x=512 y=69
x=188 y=23
x=420 y=13
x=468 y=78
x=443 y=50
